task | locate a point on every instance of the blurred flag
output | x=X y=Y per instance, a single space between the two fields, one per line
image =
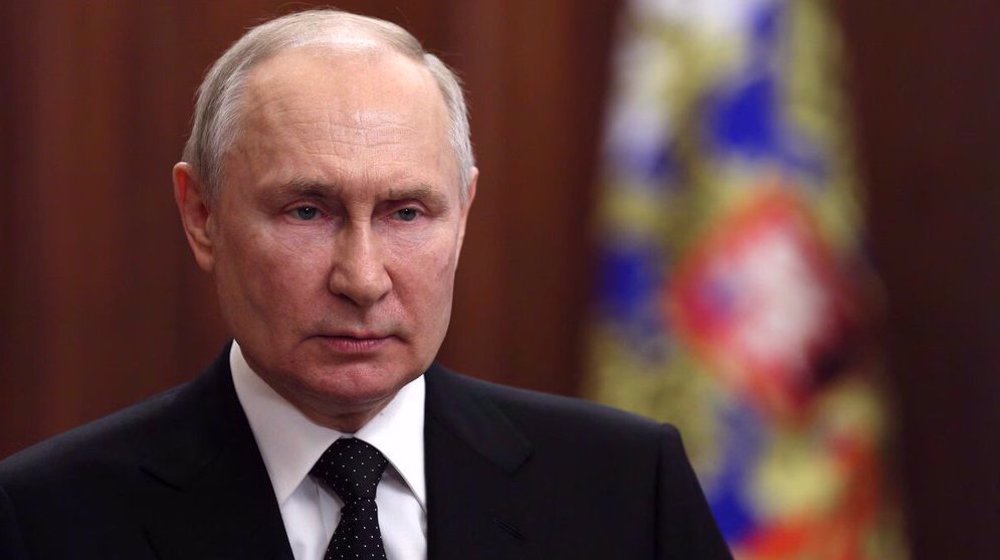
x=731 y=299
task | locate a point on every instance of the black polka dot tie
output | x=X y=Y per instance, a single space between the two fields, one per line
x=352 y=469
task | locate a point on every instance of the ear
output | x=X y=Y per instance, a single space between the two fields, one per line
x=196 y=214
x=467 y=205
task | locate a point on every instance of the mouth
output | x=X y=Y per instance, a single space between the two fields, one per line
x=362 y=343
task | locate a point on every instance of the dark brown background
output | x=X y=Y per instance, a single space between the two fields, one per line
x=102 y=304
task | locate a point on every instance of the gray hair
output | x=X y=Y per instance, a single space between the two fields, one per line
x=218 y=108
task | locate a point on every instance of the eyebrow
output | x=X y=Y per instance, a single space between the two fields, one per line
x=306 y=188
x=421 y=192
x=312 y=189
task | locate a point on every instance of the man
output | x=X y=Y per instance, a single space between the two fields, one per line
x=326 y=187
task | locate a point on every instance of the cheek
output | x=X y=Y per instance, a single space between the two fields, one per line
x=257 y=266
x=424 y=272
x=431 y=252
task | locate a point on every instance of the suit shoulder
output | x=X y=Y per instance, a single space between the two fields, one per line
x=534 y=411
x=100 y=444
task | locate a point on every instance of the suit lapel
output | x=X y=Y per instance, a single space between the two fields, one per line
x=211 y=497
x=477 y=500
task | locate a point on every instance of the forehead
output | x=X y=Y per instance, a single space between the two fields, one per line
x=343 y=76
x=350 y=104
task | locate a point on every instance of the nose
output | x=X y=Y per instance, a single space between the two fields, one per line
x=359 y=272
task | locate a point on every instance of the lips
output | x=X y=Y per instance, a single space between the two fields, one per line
x=360 y=343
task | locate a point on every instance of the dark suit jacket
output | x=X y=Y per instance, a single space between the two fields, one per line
x=510 y=474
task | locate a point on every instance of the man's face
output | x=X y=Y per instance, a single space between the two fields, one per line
x=337 y=232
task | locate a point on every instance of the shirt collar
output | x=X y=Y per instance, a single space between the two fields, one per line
x=290 y=443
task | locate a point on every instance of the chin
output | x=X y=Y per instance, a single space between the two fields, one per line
x=356 y=386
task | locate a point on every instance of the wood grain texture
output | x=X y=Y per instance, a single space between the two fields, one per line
x=926 y=84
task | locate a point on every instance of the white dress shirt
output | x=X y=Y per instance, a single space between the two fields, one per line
x=291 y=443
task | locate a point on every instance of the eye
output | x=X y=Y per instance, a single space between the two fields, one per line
x=306 y=213
x=407 y=214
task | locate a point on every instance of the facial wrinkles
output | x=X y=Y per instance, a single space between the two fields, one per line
x=370 y=127
x=360 y=236
x=373 y=148
x=328 y=313
x=352 y=131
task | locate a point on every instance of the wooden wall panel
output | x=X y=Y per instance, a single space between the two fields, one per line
x=926 y=87
x=20 y=330
x=536 y=94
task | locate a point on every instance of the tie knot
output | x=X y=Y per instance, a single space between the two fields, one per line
x=351 y=468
